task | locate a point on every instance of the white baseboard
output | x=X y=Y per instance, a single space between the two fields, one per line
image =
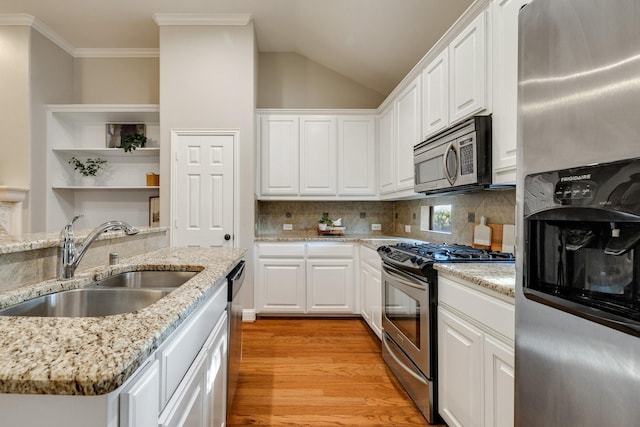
x=248 y=315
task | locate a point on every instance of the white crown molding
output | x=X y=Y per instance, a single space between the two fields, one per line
x=117 y=53
x=16 y=19
x=46 y=31
x=163 y=19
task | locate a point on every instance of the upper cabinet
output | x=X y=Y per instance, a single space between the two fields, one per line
x=279 y=146
x=504 y=19
x=311 y=156
x=468 y=70
x=435 y=94
x=455 y=80
x=399 y=130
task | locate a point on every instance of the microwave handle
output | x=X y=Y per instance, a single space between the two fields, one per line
x=452 y=146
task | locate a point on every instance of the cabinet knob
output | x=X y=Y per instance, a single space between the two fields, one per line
x=227 y=237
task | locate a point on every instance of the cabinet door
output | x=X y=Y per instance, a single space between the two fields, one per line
x=387 y=158
x=330 y=286
x=504 y=23
x=468 y=70
x=498 y=384
x=460 y=371
x=435 y=95
x=139 y=401
x=357 y=155
x=216 y=384
x=409 y=118
x=280 y=285
x=318 y=155
x=279 y=139
x=371 y=291
x=188 y=406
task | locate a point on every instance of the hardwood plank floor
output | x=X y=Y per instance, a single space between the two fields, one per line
x=317 y=372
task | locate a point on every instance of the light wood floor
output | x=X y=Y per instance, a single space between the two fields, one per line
x=317 y=372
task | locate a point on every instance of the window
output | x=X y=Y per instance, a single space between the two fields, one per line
x=441 y=218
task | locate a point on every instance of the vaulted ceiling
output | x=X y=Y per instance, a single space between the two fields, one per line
x=373 y=42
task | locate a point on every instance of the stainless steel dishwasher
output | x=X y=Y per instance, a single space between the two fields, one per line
x=234 y=311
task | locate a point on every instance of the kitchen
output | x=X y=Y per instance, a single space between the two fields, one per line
x=263 y=211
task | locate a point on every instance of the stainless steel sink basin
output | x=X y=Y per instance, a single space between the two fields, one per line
x=147 y=279
x=86 y=302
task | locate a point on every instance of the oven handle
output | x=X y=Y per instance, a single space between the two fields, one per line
x=403 y=278
x=399 y=362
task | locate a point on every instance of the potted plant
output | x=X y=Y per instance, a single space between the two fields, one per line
x=88 y=168
x=324 y=223
x=132 y=141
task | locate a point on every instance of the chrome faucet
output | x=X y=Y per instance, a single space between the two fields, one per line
x=70 y=257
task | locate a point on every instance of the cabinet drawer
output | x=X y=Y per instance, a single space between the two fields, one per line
x=178 y=353
x=281 y=250
x=493 y=313
x=370 y=256
x=330 y=250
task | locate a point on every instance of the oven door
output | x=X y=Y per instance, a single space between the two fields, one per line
x=405 y=316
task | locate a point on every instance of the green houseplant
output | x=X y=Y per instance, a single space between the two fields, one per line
x=89 y=168
x=324 y=222
x=132 y=141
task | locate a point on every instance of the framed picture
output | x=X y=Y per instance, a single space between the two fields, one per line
x=154 y=211
x=116 y=131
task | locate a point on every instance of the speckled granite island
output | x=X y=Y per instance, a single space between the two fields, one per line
x=91 y=356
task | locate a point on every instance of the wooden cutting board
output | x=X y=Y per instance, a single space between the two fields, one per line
x=496 y=237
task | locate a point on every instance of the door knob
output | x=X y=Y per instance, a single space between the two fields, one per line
x=227 y=237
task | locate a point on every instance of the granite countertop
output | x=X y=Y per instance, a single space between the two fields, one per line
x=10 y=243
x=92 y=356
x=496 y=276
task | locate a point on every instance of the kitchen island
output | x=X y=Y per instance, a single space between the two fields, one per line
x=66 y=362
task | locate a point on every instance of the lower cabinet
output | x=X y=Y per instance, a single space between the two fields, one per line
x=200 y=397
x=371 y=289
x=475 y=356
x=301 y=278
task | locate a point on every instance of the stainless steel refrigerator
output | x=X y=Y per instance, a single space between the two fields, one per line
x=578 y=210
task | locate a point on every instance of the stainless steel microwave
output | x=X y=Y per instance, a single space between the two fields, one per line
x=456 y=159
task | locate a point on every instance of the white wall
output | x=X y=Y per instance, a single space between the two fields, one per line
x=290 y=80
x=51 y=83
x=14 y=106
x=207 y=80
x=117 y=80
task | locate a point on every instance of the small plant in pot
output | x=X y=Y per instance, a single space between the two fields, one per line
x=324 y=223
x=132 y=141
x=89 y=168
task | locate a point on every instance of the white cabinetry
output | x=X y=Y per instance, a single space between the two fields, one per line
x=279 y=154
x=468 y=70
x=371 y=289
x=357 y=155
x=456 y=80
x=139 y=400
x=317 y=156
x=386 y=133
x=120 y=190
x=400 y=130
x=409 y=119
x=435 y=94
x=305 y=278
x=475 y=355
x=504 y=23
x=280 y=278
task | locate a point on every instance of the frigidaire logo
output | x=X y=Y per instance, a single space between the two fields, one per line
x=575 y=177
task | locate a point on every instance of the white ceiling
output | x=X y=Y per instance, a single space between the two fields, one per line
x=374 y=42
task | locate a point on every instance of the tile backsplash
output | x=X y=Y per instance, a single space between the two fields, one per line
x=498 y=206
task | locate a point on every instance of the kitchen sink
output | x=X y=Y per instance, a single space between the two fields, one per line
x=86 y=302
x=165 y=280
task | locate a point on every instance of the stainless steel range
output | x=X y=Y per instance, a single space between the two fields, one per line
x=409 y=301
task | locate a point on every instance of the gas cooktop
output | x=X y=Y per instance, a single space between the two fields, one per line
x=416 y=257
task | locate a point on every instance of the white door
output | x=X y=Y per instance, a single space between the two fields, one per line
x=408 y=133
x=203 y=186
x=318 y=155
x=435 y=95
